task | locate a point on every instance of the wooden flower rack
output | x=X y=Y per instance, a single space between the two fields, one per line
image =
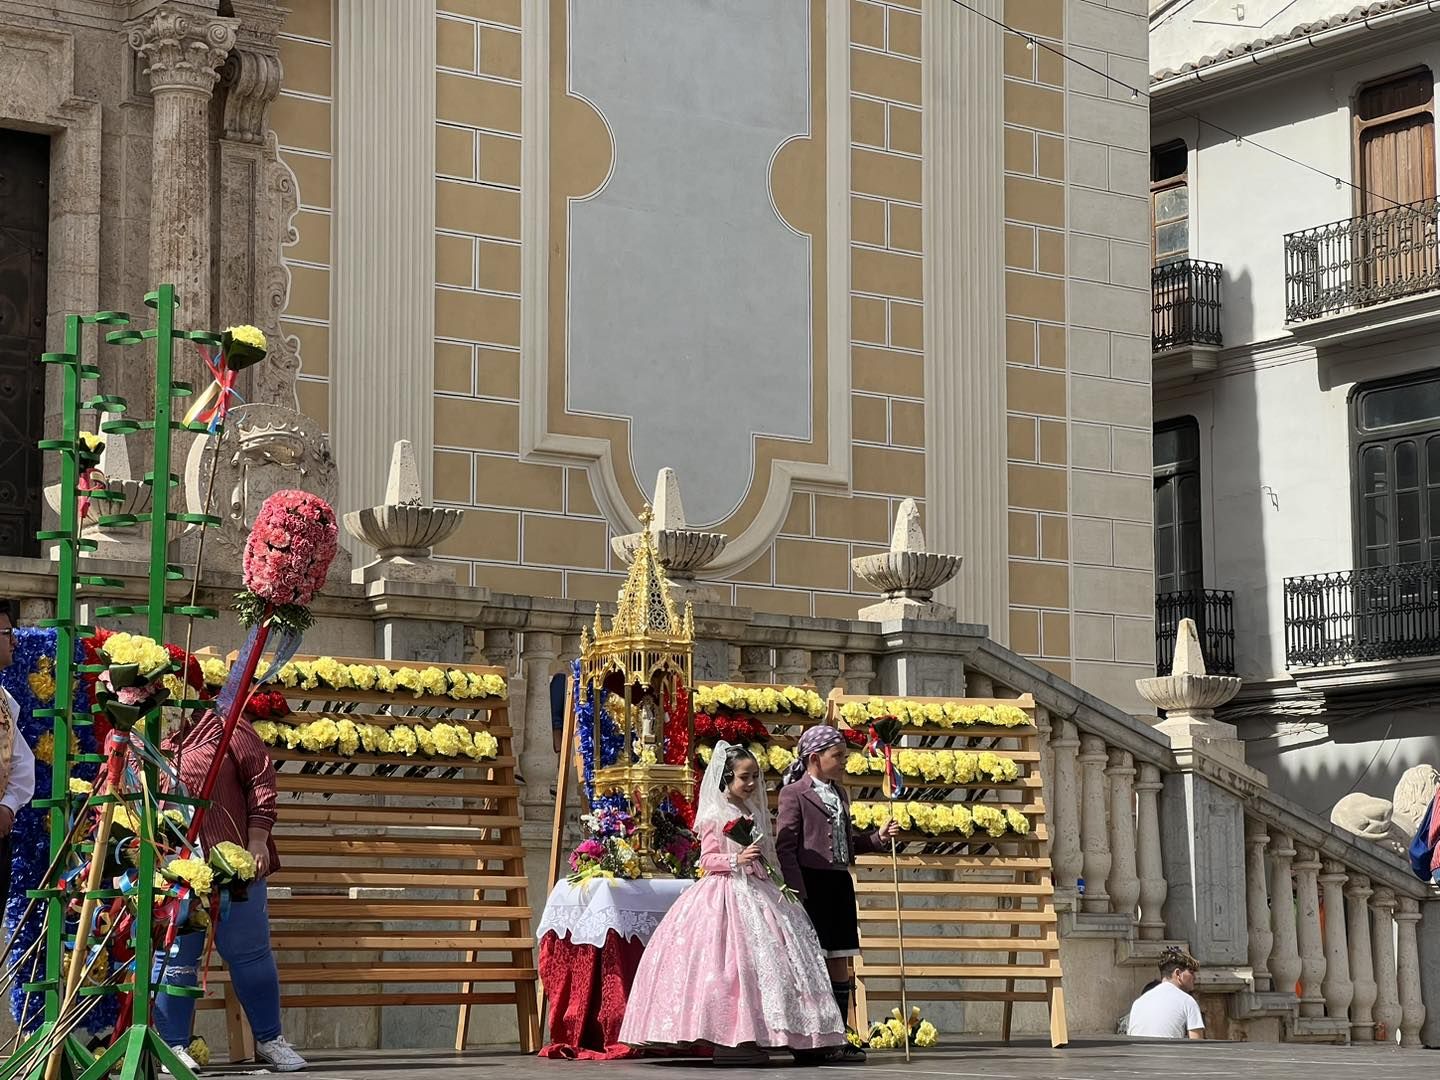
x=978 y=912
x=406 y=875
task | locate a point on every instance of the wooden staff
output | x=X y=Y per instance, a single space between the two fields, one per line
x=899 y=934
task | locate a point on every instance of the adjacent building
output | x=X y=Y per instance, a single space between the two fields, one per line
x=1296 y=338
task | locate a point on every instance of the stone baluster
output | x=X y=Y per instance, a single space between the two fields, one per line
x=859 y=675
x=755 y=665
x=735 y=653
x=1362 y=967
x=1257 y=903
x=1065 y=855
x=535 y=753
x=1412 y=1003
x=1382 y=947
x=1123 y=884
x=824 y=670
x=1312 y=949
x=1150 y=864
x=182 y=53
x=1284 y=954
x=1094 y=839
x=978 y=684
x=791 y=666
x=1339 y=990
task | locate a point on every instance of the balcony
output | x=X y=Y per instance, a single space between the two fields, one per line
x=1212 y=611
x=1185 y=316
x=1361 y=263
x=1379 y=614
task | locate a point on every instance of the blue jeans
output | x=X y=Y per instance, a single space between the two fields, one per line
x=242 y=939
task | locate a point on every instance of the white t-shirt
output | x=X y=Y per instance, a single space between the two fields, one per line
x=1165 y=1012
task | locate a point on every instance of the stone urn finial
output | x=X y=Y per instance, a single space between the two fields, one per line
x=1188 y=695
x=127 y=496
x=682 y=551
x=404 y=530
x=907 y=574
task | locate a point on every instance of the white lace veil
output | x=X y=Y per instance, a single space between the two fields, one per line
x=716 y=807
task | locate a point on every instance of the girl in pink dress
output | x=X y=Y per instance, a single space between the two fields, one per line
x=734 y=963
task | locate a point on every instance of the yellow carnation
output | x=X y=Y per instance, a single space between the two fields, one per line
x=248 y=335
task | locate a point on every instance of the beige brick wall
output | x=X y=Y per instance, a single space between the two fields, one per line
x=301 y=120
x=1037 y=387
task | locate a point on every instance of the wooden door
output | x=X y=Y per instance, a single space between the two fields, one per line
x=24 y=232
x=1397 y=244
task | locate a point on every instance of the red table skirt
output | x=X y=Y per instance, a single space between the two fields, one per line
x=587 y=989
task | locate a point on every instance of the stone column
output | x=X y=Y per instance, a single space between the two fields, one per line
x=732 y=653
x=1257 y=903
x=825 y=670
x=755 y=664
x=1339 y=990
x=537 y=759
x=1284 y=954
x=1429 y=941
x=791 y=666
x=1362 y=967
x=1382 y=946
x=1412 y=1001
x=859 y=674
x=1065 y=855
x=1123 y=883
x=1150 y=863
x=1312 y=949
x=182 y=52
x=1094 y=841
x=257 y=202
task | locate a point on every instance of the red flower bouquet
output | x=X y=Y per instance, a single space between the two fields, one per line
x=742 y=831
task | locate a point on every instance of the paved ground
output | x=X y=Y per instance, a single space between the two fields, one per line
x=1084 y=1060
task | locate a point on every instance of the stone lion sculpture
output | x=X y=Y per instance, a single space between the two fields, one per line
x=1392 y=822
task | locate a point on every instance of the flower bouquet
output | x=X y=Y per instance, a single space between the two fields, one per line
x=675 y=847
x=133 y=680
x=742 y=831
x=895 y=1031
x=607 y=852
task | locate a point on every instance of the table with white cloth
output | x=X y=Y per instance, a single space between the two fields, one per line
x=592 y=936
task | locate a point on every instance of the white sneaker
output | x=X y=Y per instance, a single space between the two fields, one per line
x=185 y=1059
x=280 y=1055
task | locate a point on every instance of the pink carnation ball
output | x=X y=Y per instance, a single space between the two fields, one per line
x=290 y=548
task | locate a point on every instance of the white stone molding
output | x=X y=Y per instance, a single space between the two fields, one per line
x=1123 y=883
x=1382 y=947
x=1284 y=953
x=964 y=320
x=382 y=385
x=1312 y=948
x=1338 y=989
x=1257 y=903
x=1407 y=947
x=1094 y=837
x=1362 y=966
x=1066 y=857
x=596 y=455
x=1150 y=864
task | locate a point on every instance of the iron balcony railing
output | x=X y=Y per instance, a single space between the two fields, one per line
x=1185 y=304
x=1212 y=610
x=1352 y=616
x=1362 y=261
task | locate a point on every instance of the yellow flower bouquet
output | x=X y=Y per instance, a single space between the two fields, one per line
x=939 y=766
x=943 y=819
x=949 y=716
x=345 y=738
x=327 y=673
x=723 y=697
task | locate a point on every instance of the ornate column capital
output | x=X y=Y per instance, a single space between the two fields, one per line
x=252 y=77
x=182 y=51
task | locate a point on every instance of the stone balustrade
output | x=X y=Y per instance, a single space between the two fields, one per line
x=1297 y=924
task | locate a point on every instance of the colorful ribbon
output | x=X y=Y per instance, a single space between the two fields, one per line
x=892 y=781
x=211 y=407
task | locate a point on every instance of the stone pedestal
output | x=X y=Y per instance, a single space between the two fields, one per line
x=415 y=621
x=1429 y=949
x=1203 y=830
x=923 y=659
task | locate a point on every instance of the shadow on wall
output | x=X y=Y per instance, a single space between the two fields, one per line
x=1315 y=764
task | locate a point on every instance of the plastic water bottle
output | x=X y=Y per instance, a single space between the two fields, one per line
x=1080 y=886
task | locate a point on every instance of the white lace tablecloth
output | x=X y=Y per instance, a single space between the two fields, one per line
x=590 y=910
